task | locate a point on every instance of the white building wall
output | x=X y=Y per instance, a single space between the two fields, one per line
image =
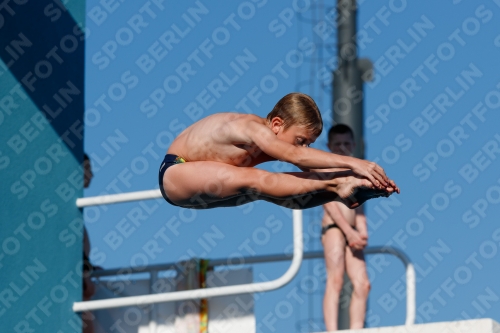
x=226 y=314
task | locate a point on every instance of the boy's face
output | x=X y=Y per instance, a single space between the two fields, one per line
x=297 y=135
x=342 y=144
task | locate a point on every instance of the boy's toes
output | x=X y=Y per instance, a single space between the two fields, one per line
x=366 y=183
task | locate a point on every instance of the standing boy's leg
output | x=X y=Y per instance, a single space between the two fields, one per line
x=356 y=270
x=334 y=248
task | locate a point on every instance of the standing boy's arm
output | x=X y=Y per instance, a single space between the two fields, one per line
x=354 y=239
x=310 y=158
x=360 y=221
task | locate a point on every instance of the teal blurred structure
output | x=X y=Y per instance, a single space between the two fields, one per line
x=41 y=152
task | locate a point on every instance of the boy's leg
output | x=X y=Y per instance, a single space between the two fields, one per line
x=314 y=199
x=356 y=270
x=334 y=248
x=214 y=184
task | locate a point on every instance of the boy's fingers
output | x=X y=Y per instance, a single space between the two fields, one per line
x=374 y=181
x=383 y=175
x=377 y=180
x=378 y=173
x=382 y=172
x=394 y=186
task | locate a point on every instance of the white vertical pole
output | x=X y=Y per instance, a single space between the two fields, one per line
x=411 y=288
x=411 y=299
x=153 y=311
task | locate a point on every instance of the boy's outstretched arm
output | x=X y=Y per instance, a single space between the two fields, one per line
x=310 y=158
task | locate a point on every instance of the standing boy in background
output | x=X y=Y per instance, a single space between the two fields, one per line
x=344 y=236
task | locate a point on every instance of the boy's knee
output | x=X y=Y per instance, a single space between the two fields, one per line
x=361 y=286
x=335 y=283
x=367 y=286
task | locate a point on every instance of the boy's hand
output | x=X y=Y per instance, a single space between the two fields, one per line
x=356 y=241
x=363 y=234
x=374 y=173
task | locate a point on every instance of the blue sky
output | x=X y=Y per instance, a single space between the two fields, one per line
x=431 y=120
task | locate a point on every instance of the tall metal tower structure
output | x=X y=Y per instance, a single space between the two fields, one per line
x=348 y=100
x=332 y=27
x=348 y=77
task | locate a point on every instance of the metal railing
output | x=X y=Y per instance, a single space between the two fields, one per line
x=297 y=257
x=118 y=198
x=410 y=271
x=209 y=292
x=411 y=281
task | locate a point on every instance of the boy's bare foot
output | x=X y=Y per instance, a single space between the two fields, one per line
x=363 y=194
x=353 y=191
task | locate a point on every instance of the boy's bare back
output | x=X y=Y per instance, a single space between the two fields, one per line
x=224 y=138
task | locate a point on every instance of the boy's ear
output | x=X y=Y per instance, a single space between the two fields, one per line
x=276 y=124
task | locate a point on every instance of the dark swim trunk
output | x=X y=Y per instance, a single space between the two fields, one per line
x=327 y=227
x=330 y=226
x=168 y=161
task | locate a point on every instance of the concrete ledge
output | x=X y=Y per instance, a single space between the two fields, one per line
x=463 y=326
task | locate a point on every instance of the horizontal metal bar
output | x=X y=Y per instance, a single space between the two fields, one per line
x=221 y=262
x=209 y=292
x=117 y=198
x=212 y=264
x=410 y=271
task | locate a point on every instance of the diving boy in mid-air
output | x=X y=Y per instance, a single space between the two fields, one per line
x=211 y=163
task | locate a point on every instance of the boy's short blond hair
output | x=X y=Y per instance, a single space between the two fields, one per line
x=298 y=109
